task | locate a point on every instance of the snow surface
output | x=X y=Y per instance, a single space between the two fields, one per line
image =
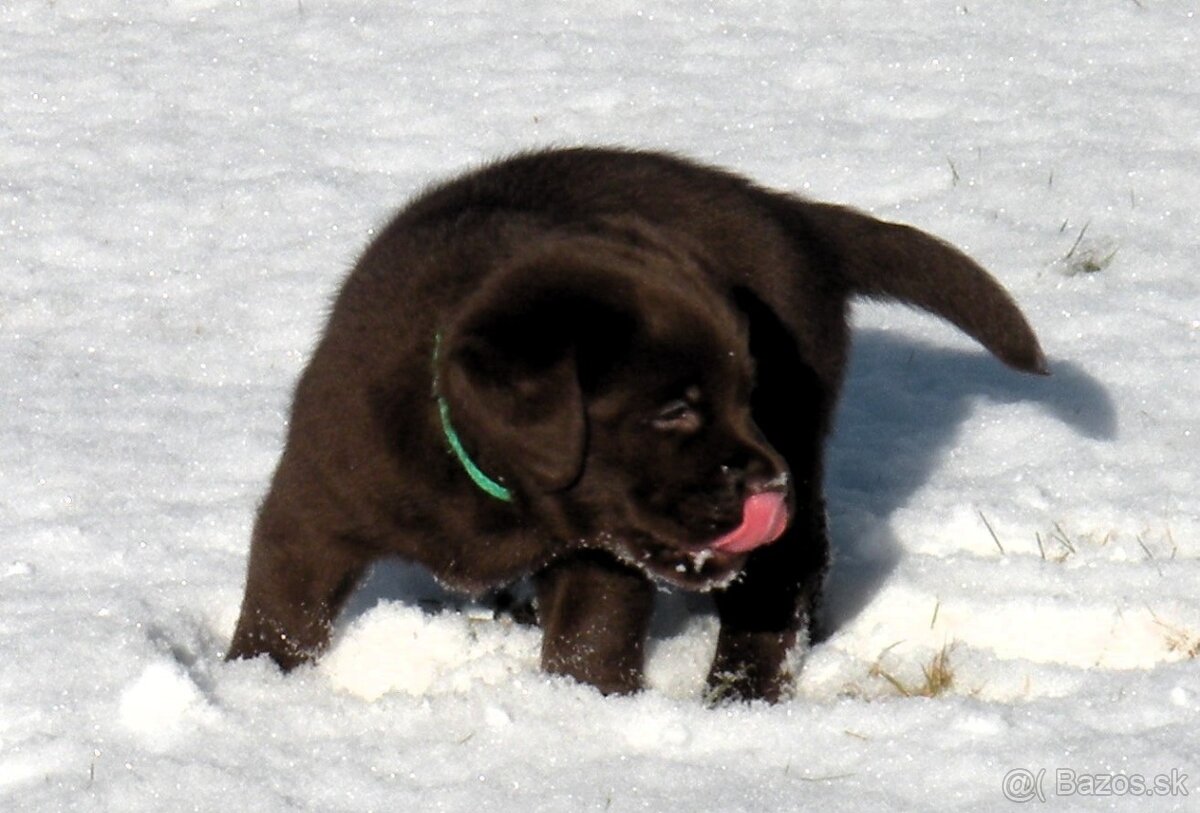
x=182 y=185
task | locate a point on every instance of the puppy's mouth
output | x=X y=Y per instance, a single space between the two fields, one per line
x=714 y=563
x=764 y=519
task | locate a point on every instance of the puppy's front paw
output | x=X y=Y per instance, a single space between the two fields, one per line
x=750 y=666
x=607 y=678
x=745 y=684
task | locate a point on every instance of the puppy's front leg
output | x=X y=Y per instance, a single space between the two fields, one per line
x=297 y=581
x=594 y=613
x=767 y=612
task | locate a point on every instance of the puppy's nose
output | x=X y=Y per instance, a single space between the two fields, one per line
x=754 y=473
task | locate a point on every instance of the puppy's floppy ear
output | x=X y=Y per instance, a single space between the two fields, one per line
x=517 y=405
x=510 y=370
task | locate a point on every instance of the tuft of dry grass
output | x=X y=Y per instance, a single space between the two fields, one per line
x=937 y=675
x=1064 y=547
x=1178 y=639
x=1089 y=257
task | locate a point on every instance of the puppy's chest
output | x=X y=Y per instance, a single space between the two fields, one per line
x=475 y=548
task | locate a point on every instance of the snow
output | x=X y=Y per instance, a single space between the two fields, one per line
x=182 y=185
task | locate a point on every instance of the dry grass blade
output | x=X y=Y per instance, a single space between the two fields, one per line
x=1078 y=240
x=992 y=531
x=1149 y=554
x=1062 y=537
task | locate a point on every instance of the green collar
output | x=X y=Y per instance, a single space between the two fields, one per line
x=477 y=475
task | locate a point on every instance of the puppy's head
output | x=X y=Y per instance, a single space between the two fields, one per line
x=610 y=386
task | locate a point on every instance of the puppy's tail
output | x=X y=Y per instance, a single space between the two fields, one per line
x=892 y=261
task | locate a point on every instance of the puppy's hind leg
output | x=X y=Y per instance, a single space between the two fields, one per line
x=297 y=581
x=595 y=613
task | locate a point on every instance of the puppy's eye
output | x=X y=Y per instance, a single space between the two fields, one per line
x=677 y=416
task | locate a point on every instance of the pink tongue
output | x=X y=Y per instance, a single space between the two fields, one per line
x=764 y=518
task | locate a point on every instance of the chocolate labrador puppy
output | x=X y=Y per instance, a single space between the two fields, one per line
x=604 y=369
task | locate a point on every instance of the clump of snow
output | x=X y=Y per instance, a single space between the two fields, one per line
x=395 y=648
x=160 y=704
x=183 y=186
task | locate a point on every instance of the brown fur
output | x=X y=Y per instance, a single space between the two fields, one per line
x=630 y=342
